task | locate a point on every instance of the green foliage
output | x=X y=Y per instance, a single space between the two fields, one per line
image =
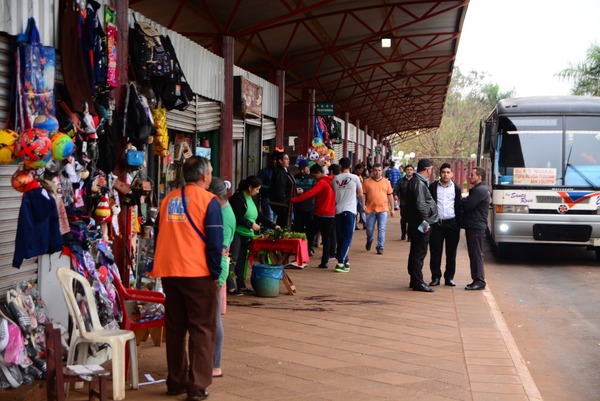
x=282 y=233
x=586 y=74
x=469 y=100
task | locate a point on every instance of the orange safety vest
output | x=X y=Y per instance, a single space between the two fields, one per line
x=180 y=252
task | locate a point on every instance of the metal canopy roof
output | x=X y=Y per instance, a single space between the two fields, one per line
x=334 y=47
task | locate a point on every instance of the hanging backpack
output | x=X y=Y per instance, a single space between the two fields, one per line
x=158 y=62
x=175 y=92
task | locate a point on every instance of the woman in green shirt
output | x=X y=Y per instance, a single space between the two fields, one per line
x=218 y=187
x=247 y=213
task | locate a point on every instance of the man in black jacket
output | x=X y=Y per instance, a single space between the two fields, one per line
x=422 y=213
x=476 y=207
x=448 y=198
x=400 y=197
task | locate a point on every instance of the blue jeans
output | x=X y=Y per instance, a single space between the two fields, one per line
x=381 y=219
x=361 y=211
x=219 y=334
x=344 y=229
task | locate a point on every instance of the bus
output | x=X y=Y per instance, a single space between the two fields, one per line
x=542 y=155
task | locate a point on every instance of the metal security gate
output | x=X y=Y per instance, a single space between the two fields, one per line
x=269 y=129
x=208 y=115
x=10 y=200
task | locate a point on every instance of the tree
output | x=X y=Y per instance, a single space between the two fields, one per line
x=585 y=75
x=469 y=100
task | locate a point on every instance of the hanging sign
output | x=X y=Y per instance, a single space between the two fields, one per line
x=324 y=109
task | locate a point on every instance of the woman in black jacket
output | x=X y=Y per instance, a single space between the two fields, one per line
x=283 y=187
x=247 y=213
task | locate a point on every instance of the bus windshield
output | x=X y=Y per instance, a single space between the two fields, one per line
x=548 y=151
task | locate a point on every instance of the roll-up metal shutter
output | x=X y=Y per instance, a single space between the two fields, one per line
x=5 y=59
x=351 y=146
x=10 y=203
x=253 y=121
x=208 y=115
x=238 y=129
x=10 y=200
x=269 y=130
x=184 y=121
x=338 y=148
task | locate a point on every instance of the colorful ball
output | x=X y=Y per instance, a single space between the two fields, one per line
x=21 y=178
x=8 y=146
x=33 y=145
x=46 y=122
x=35 y=164
x=62 y=146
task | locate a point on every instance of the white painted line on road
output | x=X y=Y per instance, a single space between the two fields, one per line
x=529 y=386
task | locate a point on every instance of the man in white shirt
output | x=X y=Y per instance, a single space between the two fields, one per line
x=347 y=187
x=447 y=196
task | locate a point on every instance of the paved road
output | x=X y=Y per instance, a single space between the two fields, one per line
x=550 y=300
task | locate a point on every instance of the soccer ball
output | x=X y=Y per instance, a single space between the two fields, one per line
x=8 y=146
x=21 y=178
x=62 y=146
x=35 y=164
x=46 y=122
x=33 y=145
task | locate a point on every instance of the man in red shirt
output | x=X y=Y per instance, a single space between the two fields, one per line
x=324 y=211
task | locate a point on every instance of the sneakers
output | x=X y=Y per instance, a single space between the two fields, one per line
x=368 y=246
x=323 y=266
x=311 y=251
x=403 y=237
x=379 y=250
x=342 y=267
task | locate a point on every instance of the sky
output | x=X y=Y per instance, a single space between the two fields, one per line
x=522 y=44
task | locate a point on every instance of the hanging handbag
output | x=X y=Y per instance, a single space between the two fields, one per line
x=36 y=65
x=134 y=158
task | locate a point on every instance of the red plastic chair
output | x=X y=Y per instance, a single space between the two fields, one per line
x=131 y=294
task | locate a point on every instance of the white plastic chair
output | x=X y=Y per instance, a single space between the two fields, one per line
x=116 y=339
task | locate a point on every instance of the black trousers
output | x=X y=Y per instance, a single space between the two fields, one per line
x=448 y=231
x=321 y=225
x=283 y=218
x=403 y=219
x=302 y=222
x=475 y=249
x=239 y=253
x=418 y=251
x=190 y=308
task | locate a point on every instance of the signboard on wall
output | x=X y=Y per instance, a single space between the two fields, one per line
x=324 y=109
x=247 y=97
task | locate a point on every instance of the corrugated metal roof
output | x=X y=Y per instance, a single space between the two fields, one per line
x=333 y=46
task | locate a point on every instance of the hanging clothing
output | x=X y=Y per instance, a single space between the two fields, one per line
x=38 y=231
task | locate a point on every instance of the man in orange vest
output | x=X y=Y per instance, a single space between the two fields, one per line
x=188 y=255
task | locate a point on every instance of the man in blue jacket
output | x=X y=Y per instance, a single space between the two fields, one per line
x=475 y=214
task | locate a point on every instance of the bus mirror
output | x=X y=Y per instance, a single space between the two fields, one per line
x=488 y=137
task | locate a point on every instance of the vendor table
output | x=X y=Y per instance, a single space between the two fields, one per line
x=279 y=252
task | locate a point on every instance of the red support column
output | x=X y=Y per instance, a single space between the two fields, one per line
x=307 y=142
x=355 y=162
x=225 y=155
x=373 y=145
x=280 y=82
x=364 y=155
x=346 y=129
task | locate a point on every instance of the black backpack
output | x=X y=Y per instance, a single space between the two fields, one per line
x=175 y=92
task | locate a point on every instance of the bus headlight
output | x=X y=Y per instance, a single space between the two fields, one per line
x=503 y=228
x=512 y=209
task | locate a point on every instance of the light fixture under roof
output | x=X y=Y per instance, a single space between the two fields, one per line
x=386 y=40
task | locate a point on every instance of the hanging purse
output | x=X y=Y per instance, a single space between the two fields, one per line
x=134 y=158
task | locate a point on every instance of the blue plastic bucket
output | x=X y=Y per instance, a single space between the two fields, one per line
x=265 y=280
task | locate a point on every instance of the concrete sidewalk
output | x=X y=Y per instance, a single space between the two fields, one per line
x=364 y=335
x=361 y=336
